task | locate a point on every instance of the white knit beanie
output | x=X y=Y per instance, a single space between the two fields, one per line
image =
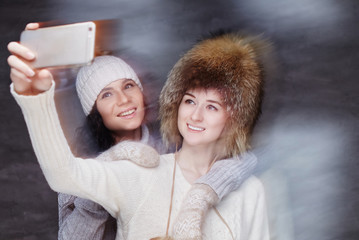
x=91 y=79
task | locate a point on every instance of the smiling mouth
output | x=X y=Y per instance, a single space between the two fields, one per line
x=127 y=113
x=195 y=128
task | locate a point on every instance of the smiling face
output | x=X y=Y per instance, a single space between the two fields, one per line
x=201 y=117
x=121 y=106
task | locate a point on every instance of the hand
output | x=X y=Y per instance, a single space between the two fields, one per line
x=198 y=201
x=139 y=153
x=27 y=81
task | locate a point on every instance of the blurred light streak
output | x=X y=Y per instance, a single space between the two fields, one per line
x=293 y=14
x=299 y=158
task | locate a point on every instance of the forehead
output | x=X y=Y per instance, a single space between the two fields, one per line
x=208 y=93
x=118 y=82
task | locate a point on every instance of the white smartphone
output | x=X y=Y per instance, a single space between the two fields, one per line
x=59 y=46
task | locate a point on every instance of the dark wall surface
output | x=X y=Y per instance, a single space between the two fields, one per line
x=306 y=140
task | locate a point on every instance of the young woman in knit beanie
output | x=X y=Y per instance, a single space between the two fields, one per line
x=83 y=219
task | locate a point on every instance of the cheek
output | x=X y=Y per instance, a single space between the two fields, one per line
x=220 y=123
x=104 y=109
x=184 y=110
x=182 y=114
x=138 y=96
x=181 y=118
x=105 y=118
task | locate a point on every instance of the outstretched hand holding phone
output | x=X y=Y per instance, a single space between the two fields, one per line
x=26 y=80
x=39 y=49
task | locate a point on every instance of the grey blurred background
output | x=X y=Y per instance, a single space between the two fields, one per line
x=307 y=137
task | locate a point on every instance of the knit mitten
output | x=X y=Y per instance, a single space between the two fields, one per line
x=228 y=175
x=139 y=153
x=193 y=211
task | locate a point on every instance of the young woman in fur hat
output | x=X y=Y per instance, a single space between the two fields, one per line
x=84 y=219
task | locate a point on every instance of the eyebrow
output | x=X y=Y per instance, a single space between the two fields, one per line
x=211 y=101
x=189 y=94
x=106 y=89
x=127 y=80
x=111 y=88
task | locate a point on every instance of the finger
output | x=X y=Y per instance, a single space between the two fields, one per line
x=21 y=50
x=43 y=81
x=21 y=83
x=32 y=26
x=16 y=75
x=21 y=66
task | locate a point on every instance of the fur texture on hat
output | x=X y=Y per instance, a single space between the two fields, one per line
x=91 y=79
x=229 y=63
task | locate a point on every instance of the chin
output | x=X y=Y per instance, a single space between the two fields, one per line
x=195 y=142
x=132 y=126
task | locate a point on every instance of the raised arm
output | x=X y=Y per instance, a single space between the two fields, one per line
x=78 y=218
x=33 y=90
x=103 y=182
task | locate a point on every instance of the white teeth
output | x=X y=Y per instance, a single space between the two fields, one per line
x=127 y=113
x=195 y=128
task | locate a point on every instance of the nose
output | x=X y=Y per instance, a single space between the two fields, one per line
x=197 y=114
x=122 y=98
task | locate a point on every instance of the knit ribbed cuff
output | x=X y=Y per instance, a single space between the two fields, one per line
x=28 y=99
x=227 y=175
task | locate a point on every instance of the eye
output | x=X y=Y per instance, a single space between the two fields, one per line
x=189 y=101
x=106 y=94
x=211 y=107
x=129 y=85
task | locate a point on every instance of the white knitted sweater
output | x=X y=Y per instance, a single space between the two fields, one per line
x=138 y=197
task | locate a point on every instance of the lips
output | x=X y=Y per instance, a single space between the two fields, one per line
x=127 y=113
x=194 y=128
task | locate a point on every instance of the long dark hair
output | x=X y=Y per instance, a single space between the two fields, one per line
x=93 y=137
x=100 y=133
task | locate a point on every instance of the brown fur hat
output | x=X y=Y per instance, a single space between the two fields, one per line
x=229 y=63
